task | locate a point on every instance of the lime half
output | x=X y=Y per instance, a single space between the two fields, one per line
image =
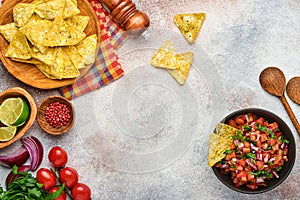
x=14 y=112
x=7 y=133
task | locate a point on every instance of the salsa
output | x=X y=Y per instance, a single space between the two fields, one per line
x=257 y=153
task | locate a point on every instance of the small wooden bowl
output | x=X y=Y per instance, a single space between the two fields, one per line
x=41 y=115
x=19 y=92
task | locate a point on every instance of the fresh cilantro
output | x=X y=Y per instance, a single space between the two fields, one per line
x=252 y=156
x=26 y=187
x=228 y=151
x=278 y=169
x=261 y=173
x=247 y=128
x=239 y=134
x=269 y=148
x=271 y=163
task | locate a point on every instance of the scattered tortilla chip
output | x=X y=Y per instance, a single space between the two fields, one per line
x=22 y=12
x=189 y=25
x=219 y=142
x=184 y=62
x=79 y=22
x=19 y=47
x=165 y=56
x=9 y=31
x=60 y=34
x=87 y=48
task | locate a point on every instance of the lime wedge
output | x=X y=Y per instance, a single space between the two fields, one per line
x=7 y=133
x=14 y=112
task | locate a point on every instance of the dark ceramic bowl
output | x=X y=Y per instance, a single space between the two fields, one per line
x=283 y=174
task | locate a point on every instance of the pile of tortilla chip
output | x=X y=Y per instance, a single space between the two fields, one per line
x=50 y=35
x=178 y=65
x=219 y=142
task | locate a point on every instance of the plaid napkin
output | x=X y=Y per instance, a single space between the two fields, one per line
x=106 y=68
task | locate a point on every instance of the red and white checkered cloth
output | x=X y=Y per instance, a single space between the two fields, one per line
x=106 y=68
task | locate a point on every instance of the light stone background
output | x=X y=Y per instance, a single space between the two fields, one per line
x=146 y=137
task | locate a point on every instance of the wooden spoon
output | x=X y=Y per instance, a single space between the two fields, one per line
x=293 y=89
x=272 y=80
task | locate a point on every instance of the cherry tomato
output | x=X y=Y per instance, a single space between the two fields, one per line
x=57 y=156
x=69 y=176
x=81 y=192
x=46 y=177
x=61 y=197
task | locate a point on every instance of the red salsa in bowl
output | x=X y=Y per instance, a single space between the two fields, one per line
x=261 y=155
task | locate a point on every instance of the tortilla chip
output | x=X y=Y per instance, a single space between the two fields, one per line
x=79 y=22
x=9 y=31
x=219 y=142
x=22 y=13
x=87 y=48
x=54 y=71
x=216 y=149
x=76 y=58
x=60 y=34
x=50 y=9
x=30 y=61
x=19 y=47
x=35 y=31
x=46 y=57
x=70 y=9
x=189 y=25
x=69 y=70
x=184 y=62
x=165 y=56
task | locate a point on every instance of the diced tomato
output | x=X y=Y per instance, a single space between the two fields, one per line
x=252 y=186
x=231 y=122
x=275 y=147
x=277 y=160
x=230 y=155
x=239 y=121
x=258 y=144
x=246 y=150
x=250 y=177
x=252 y=137
x=260 y=164
x=248 y=169
x=241 y=174
x=246 y=144
x=273 y=126
x=239 y=167
x=260 y=121
x=271 y=142
x=265 y=146
x=263 y=137
x=278 y=134
x=242 y=162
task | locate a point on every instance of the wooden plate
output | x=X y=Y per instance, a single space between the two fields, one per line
x=28 y=73
x=19 y=92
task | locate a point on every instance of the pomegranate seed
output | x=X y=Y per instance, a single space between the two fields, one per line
x=57 y=114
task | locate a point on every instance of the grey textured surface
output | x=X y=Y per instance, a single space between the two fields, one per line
x=146 y=137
